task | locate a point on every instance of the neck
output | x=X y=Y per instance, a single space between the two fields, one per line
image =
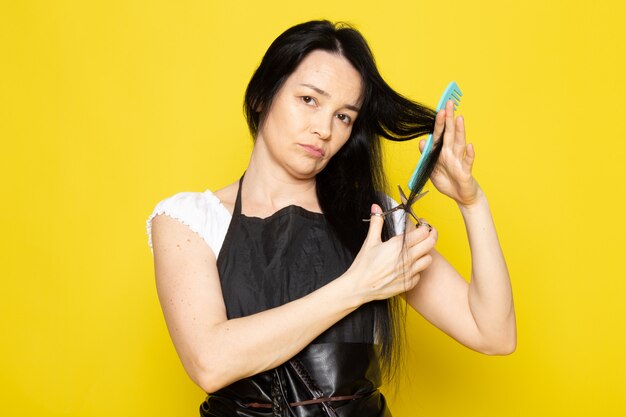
x=270 y=187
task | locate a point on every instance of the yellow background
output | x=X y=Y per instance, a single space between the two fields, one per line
x=107 y=107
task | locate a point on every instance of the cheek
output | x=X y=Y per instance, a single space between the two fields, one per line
x=282 y=118
x=345 y=136
x=278 y=126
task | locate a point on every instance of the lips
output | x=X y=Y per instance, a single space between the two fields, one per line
x=313 y=150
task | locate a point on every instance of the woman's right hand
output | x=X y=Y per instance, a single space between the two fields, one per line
x=384 y=269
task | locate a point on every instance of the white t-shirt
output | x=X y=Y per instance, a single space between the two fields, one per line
x=204 y=213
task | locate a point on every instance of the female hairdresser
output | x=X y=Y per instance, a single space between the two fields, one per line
x=279 y=298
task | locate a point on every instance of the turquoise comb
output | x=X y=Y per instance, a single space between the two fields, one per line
x=453 y=92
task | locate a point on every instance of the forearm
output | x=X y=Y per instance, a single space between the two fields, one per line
x=245 y=346
x=490 y=294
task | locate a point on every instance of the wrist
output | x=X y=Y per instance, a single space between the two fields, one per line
x=479 y=201
x=353 y=296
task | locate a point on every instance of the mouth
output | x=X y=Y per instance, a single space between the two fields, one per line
x=313 y=150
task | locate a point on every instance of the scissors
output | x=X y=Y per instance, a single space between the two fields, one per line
x=406 y=205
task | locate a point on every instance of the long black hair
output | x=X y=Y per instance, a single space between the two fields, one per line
x=354 y=178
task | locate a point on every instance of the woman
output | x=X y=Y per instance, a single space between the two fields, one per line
x=279 y=299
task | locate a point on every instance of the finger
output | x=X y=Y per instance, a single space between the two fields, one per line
x=448 y=134
x=415 y=236
x=423 y=223
x=423 y=247
x=422 y=144
x=376 y=225
x=421 y=264
x=415 y=270
x=422 y=230
x=434 y=234
x=468 y=160
x=459 y=137
x=432 y=231
x=440 y=123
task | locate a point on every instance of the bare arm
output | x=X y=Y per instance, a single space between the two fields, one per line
x=215 y=351
x=480 y=314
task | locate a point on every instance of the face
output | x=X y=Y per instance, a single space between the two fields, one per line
x=312 y=115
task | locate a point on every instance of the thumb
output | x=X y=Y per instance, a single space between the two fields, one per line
x=376 y=225
x=422 y=144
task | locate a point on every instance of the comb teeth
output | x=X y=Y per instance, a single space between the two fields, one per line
x=453 y=92
x=457 y=100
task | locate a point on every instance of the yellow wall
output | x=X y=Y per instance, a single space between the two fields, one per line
x=107 y=107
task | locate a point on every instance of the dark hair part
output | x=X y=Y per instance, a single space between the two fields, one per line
x=354 y=177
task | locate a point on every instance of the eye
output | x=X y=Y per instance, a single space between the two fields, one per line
x=308 y=100
x=344 y=118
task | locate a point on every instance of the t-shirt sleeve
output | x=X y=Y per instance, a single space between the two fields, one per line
x=398 y=216
x=201 y=212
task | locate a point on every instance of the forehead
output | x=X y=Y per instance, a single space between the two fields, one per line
x=330 y=72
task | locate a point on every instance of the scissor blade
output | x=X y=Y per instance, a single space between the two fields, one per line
x=420 y=195
x=408 y=205
x=403 y=197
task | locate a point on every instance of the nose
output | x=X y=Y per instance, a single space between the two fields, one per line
x=321 y=125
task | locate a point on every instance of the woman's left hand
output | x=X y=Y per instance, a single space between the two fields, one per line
x=452 y=174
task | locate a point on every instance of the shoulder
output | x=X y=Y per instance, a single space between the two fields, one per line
x=228 y=195
x=202 y=212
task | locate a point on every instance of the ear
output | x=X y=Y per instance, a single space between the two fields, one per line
x=258 y=108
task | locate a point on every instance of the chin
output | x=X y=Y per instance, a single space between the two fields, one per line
x=306 y=172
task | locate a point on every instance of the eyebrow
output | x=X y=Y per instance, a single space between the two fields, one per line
x=324 y=93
